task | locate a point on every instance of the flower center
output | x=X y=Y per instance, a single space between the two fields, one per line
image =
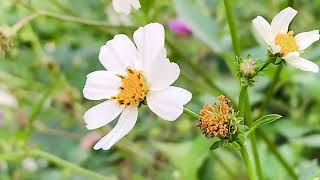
x=133 y=89
x=286 y=42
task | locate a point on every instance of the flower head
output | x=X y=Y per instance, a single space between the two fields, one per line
x=180 y=28
x=124 y=6
x=215 y=120
x=136 y=74
x=283 y=42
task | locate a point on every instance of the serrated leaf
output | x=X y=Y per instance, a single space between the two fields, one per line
x=263 y=120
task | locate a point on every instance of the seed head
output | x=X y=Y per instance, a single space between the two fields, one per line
x=215 y=119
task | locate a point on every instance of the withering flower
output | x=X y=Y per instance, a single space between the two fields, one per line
x=216 y=120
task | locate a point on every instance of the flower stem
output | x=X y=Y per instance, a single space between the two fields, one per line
x=246 y=159
x=269 y=143
x=277 y=154
x=264 y=66
x=244 y=105
x=36 y=110
x=16 y=27
x=65 y=164
x=245 y=111
x=232 y=27
x=191 y=113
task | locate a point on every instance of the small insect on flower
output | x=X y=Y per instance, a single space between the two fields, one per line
x=217 y=120
x=136 y=74
x=124 y=6
x=283 y=42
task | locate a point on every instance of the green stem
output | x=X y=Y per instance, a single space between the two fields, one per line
x=246 y=159
x=269 y=143
x=191 y=113
x=54 y=159
x=65 y=164
x=225 y=166
x=264 y=66
x=232 y=27
x=15 y=28
x=248 y=120
x=244 y=105
x=277 y=154
x=270 y=90
x=37 y=109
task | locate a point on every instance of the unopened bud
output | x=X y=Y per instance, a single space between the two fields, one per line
x=248 y=68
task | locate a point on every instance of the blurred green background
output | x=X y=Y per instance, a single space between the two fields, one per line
x=44 y=70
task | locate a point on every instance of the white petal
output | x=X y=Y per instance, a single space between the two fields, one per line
x=302 y=63
x=168 y=103
x=126 y=122
x=7 y=99
x=305 y=39
x=162 y=74
x=135 y=4
x=101 y=85
x=281 y=21
x=264 y=29
x=122 y=6
x=150 y=41
x=275 y=48
x=118 y=54
x=102 y=114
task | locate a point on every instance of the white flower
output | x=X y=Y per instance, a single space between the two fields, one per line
x=282 y=42
x=124 y=6
x=7 y=99
x=135 y=73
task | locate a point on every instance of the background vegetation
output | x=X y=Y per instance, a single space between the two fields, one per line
x=47 y=60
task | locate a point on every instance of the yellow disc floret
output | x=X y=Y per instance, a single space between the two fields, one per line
x=133 y=89
x=287 y=43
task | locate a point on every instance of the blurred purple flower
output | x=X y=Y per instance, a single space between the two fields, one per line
x=180 y=28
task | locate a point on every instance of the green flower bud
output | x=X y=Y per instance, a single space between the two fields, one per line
x=248 y=68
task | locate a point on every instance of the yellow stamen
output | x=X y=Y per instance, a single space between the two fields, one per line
x=287 y=43
x=133 y=89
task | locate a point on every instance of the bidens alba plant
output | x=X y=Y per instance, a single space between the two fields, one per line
x=136 y=74
x=283 y=43
x=124 y=6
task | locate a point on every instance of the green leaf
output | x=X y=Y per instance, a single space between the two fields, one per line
x=206 y=29
x=203 y=27
x=187 y=156
x=263 y=120
x=215 y=145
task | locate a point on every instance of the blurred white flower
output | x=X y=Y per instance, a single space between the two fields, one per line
x=136 y=73
x=282 y=42
x=3 y=166
x=124 y=6
x=29 y=164
x=115 y=18
x=6 y=99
